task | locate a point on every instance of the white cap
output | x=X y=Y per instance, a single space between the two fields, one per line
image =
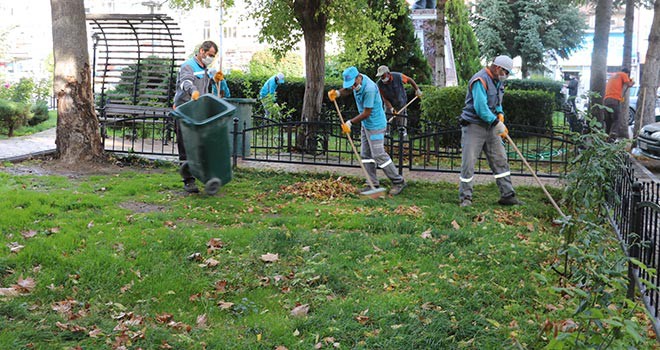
x=382 y=70
x=280 y=77
x=504 y=61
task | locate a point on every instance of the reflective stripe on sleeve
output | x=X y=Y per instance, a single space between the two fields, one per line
x=505 y=174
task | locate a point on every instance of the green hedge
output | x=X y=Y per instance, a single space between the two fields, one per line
x=523 y=103
x=551 y=86
x=533 y=108
x=13 y=115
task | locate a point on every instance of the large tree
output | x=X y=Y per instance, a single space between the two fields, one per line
x=529 y=29
x=405 y=53
x=78 y=137
x=440 y=73
x=650 y=79
x=599 y=56
x=463 y=40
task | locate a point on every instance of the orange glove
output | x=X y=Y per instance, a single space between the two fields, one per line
x=500 y=116
x=333 y=94
x=505 y=133
x=218 y=77
x=346 y=127
x=195 y=95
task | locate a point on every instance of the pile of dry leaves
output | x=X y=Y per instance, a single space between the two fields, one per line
x=319 y=189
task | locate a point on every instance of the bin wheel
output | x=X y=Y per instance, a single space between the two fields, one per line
x=212 y=186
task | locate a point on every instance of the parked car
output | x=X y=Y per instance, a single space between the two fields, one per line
x=632 y=107
x=648 y=140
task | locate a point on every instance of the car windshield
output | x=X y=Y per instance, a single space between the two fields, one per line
x=633 y=90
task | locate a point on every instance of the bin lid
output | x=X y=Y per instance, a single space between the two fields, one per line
x=204 y=110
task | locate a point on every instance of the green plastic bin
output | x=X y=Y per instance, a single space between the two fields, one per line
x=244 y=114
x=205 y=128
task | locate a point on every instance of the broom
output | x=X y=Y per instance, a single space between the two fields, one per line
x=373 y=192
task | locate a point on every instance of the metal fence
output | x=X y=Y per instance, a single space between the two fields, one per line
x=636 y=219
x=428 y=146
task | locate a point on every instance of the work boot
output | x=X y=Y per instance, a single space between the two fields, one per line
x=397 y=188
x=510 y=200
x=466 y=202
x=190 y=186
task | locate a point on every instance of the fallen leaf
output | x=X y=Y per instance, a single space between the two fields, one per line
x=427 y=234
x=224 y=305
x=26 y=285
x=221 y=285
x=28 y=234
x=201 y=321
x=214 y=244
x=170 y=224
x=210 y=262
x=455 y=225
x=195 y=257
x=270 y=257
x=8 y=292
x=95 y=333
x=90 y=224
x=14 y=247
x=164 y=318
x=300 y=310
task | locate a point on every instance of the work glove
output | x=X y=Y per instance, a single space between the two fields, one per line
x=195 y=95
x=333 y=94
x=346 y=127
x=218 y=77
x=418 y=93
x=501 y=129
x=500 y=116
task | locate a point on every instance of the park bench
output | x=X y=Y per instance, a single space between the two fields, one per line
x=120 y=114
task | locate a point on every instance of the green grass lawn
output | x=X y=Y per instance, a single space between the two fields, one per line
x=128 y=259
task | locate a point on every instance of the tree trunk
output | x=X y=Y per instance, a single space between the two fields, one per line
x=439 y=37
x=649 y=83
x=621 y=130
x=78 y=139
x=314 y=25
x=599 y=56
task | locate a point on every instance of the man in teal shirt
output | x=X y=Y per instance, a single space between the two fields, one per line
x=482 y=129
x=372 y=118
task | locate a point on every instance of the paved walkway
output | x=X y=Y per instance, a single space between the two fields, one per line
x=25 y=147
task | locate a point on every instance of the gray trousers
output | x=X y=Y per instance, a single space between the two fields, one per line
x=474 y=139
x=372 y=152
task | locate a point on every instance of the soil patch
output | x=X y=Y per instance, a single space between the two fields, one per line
x=141 y=208
x=47 y=165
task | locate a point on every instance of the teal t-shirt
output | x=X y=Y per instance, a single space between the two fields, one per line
x=369 y=97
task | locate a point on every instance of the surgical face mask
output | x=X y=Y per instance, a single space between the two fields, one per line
x=502 y=77
x=207 y=60
x=358 y=87
x=385 y=79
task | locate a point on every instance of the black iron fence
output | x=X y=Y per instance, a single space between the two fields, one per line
x=427 y=146
x=636 y=218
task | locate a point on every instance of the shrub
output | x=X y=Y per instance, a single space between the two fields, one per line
x=533 y=108
x=13 y=115
x=39 y=113
x=443 y=105
x=551 y=86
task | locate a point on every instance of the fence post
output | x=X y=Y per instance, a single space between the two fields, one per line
x=400 y=142
x=634 y=239
x=235 y=142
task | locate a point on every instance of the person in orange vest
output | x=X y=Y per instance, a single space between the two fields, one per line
x=615 y=90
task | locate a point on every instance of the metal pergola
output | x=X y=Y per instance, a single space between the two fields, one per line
x=136 y=58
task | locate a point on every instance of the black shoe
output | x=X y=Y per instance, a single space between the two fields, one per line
x=190 y=186
x=510 y=200
x=397 y=188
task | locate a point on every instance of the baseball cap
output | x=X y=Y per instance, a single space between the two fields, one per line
x=382 y=70
x=349 y=76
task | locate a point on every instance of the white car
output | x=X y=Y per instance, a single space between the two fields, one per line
x=632 y=107
x=648 y=140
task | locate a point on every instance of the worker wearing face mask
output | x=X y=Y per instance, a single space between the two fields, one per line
x=193 y=79
x=373 y=123
x=390 y=85
x=482 y=129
